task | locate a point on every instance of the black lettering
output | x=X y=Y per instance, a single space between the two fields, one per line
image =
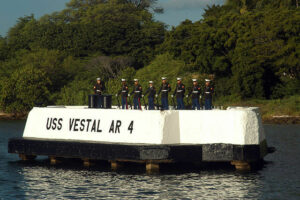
x=119 y=123
x=112 y=127
x=98 y=127
x=88 y=125
x=48 y=125
x=82 y=123
x=94 y=126
x=130 y=127
x=59 y=124
x=54 y=123
x=71 y=123
x=76 y=124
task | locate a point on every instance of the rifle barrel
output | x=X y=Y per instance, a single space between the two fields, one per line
x=145 y=103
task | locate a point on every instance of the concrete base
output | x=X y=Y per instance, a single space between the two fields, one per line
x=152 y=155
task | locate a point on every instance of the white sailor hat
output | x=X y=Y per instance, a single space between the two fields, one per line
x=194 y=80
x=123 y=79
x=163 y=78
x=178 y=79
x=207 y=80
x=150 y=81
x=136 y=80
x=98 y=79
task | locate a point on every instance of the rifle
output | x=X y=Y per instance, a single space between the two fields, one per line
x=145 y=103
x=188 y=105
x=117 y=97
x=200 y=102
x=174 y=105
x=129 y=102
x=157 y=103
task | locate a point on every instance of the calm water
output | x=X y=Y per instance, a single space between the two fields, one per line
x=279 y=179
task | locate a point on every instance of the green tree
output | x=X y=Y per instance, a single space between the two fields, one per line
x=114 y=85
x=75 y=93
x=4 y=51
x=111 y=28
x=107 y=67
x=251 y=54
x=22 y=34
x=25 y=88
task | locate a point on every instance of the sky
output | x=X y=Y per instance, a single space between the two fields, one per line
x=175 y=11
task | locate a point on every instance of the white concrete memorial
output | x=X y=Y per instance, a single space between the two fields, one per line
x=238 y=126
x=234 y=135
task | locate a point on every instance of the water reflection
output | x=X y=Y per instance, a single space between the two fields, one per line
x=42 y=182
x=279 y=179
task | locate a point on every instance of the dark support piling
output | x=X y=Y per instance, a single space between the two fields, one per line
x=54 y=160
x=115 y=165
x=27 y=157
x=87 y=162
x=241 y=165
x=152 y=167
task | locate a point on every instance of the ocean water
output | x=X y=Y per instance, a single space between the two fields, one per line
x=278 y=179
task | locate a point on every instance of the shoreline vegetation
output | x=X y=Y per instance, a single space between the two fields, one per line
x=249 y=49
x=276 y=111
x=280 y=111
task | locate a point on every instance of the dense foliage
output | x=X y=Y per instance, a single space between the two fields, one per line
x=251 y=48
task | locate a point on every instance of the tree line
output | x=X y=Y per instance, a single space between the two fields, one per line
x=251 y=48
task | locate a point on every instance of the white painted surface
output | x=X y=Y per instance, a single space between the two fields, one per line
x=146 y=128
x=232 y=126
x=171 y=131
